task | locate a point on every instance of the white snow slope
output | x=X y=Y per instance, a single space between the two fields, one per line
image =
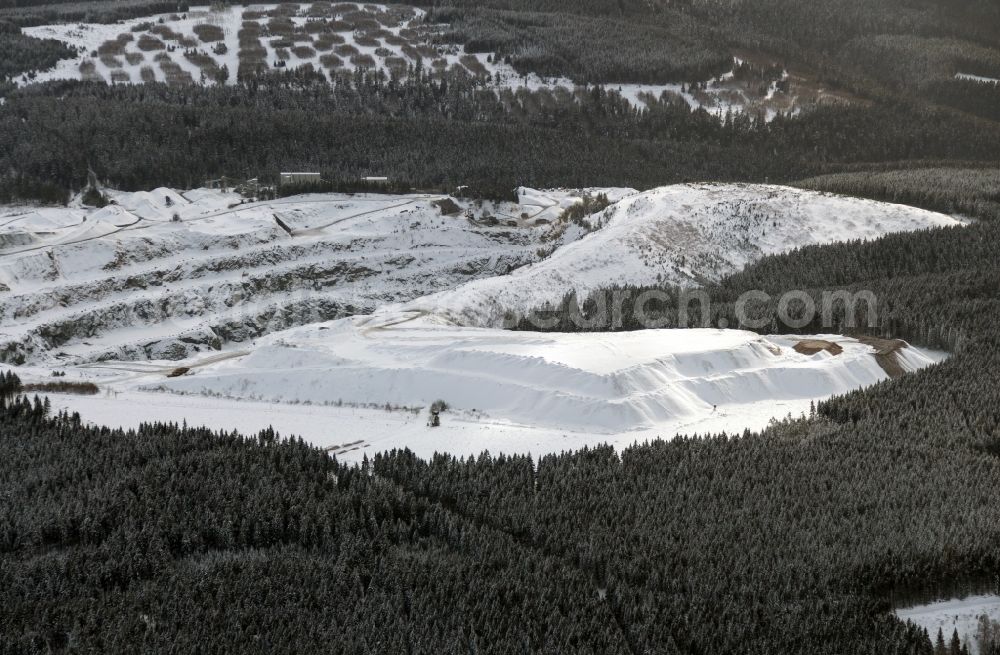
x=682 y=234
x=599 y=382
x=362 y=385
x=128 y=282
x=260 y=303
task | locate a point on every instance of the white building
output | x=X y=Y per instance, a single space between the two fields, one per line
x=298 y=178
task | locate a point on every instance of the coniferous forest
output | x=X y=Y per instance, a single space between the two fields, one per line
x=898 y=60
x=793 y=540
x=137 y=137
x=796 y=539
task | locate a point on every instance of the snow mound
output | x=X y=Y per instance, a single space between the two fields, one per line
x=680 y=235
x=43 y=219
x=112 y=216
x=157 y=205
x=596 y=382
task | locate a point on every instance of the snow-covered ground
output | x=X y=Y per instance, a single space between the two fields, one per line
x=343 y=317
x=128 y=281
x=679 y=235
x=369 y=382
x=976 y=78
x=960 y=614
x=402 y=35
x=598 y=382
x=89 y=37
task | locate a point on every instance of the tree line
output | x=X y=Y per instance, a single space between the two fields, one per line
x=28 y=13
x=952 y=190
x=798 y=539
x=589 y=49
x=366 y=125
x=23 y=56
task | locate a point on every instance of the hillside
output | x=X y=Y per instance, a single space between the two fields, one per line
x=517 y=392
x=130 y=282
x=200 y=294
x=235 y=44
x=588 y=327
x=679 y=235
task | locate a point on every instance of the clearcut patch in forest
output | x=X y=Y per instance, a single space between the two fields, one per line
x=321 y=40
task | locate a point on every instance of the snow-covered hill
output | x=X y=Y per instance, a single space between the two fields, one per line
x=678 y=235
x=332 y=315
x=130 y=282
x=164 y=275
x=362 y=385
x=597 y=382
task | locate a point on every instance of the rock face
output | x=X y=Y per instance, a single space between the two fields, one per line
x=813 y=346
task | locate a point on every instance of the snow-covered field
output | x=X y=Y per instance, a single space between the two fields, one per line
x=597 y=382
x=960 y=614
x=178 y=49
x=362 y=385
x=343 y=317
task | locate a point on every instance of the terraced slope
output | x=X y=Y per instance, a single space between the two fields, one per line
x=130 y=282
